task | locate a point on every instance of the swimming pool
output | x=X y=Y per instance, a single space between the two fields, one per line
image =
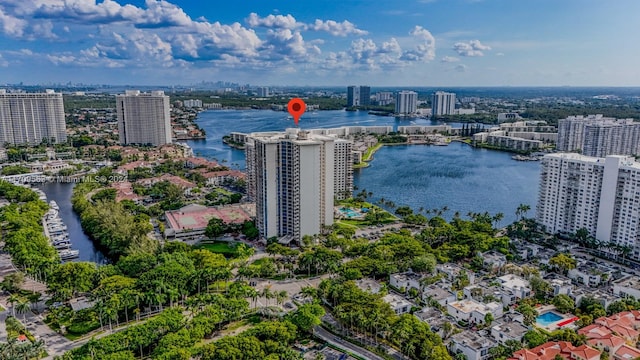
x=548 y=318
x=349 y=212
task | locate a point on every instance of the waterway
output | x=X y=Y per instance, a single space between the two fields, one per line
x=462 y=178
x=61 y=193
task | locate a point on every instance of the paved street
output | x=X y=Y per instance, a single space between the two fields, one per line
x=323 y=334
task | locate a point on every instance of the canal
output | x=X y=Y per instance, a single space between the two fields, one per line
x=61 y=193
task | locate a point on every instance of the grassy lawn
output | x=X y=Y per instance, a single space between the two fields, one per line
x=370 y=151
x=367 y=156
x=220 y=247
x=355 y=224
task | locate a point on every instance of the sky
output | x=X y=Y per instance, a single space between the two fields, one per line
x=322 y=43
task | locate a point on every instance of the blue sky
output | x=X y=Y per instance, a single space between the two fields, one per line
x=380 y=43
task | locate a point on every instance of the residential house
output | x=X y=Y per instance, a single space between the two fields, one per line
x=473 y=345
x=493 y=260
x=398 y=304
x=434 y=317
x=514 y=288
x=405 y=281
x=453 y=271
x=564 y=349
x=627 y=286
x=473 y=311
x=438 y=294
x=507 y=329
x=626 y=352
x=369 y=285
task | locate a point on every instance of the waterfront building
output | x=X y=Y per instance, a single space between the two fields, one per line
x=443 y=103
x=263 y=91
x=358 y=96
x=193 y=103
x=599 y=136
x=31 y=118
x=406 y=102
x=597 y=194
x=502 y=117
x=365 y=95
x=424 y=129
x=384 y=98
x=293 y=177
x=528 y=126
x=143 y=118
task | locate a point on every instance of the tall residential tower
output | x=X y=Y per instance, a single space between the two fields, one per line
x=31 y=118
x=293 y=178
x=598 y=194
x=443 y=103
x=599 y=136
x=406 y=102
x=143 y=118
x=358 y=96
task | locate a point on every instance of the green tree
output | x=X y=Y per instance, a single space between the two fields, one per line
x=215 y=228
x=534 y=338
x=563 y=303
x=563 y=262
x=307 y=316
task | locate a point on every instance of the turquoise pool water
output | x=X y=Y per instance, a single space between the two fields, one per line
x=548 y=318
x=349 y=212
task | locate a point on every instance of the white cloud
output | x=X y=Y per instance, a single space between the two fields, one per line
x=335 y=28
x=499 y=54
x=11 y=25
x=273 y=21
x=426 y=48
x=471 y=48
x=449 y=59
x=161 y=34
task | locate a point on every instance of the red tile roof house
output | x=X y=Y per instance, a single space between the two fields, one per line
x=217 y=178
x=566 y=350
x=124 y=191
x=611 y=333
x=185 y=185
x=194 y=162
x=124 y=169
x=626 y=352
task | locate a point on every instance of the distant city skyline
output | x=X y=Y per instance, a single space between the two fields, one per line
x=321 y=43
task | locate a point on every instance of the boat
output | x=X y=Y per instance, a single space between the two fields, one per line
x=62 y=246
x=54 y=205
x=69 y=254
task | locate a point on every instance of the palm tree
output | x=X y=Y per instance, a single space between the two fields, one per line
x=266 y=293
x=625 y=250
x=23 y=307
x=13 y=299
x=497 y=218
x=521 y=210
x=281 y=296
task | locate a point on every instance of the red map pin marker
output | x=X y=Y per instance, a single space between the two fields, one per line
x=296 y=108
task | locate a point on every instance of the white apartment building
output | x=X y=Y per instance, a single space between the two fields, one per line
x=143 y=118
x=443 y=103
x=599 y=194
x=30 y=118
x=384 y=98
x=293 y=177
x=193 y=103
x=406 y=102
x=599 y=136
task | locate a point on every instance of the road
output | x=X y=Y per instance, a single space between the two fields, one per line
x=323 y=334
